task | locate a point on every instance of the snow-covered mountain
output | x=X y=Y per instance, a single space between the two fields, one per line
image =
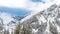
x=46 y=21
x=8 y=21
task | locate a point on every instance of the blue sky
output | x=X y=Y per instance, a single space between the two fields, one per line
x=15 y=11
x=37 y=1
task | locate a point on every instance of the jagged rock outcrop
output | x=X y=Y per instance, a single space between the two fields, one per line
x=46 y=21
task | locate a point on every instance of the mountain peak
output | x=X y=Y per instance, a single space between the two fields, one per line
x=45 y=21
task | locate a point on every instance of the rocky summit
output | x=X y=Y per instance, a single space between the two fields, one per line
x=46 y=21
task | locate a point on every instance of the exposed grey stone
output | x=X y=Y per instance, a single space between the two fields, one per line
x=1 y=27
x=42 y=27
x=58 y=22
x=52 y=7
x=58 y=16
x=35 y=25
x=53 y=29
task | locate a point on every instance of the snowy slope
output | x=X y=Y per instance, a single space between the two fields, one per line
x=9 y=21
x=46 y=21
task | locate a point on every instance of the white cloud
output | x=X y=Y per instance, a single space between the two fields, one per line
x=27 y=4
x=57 y=2
x=37 y=7
x=13 y=3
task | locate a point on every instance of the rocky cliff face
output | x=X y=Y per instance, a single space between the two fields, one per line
x=46 y=21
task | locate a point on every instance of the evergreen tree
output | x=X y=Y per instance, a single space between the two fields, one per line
x=25 y=30
x=17 y=29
